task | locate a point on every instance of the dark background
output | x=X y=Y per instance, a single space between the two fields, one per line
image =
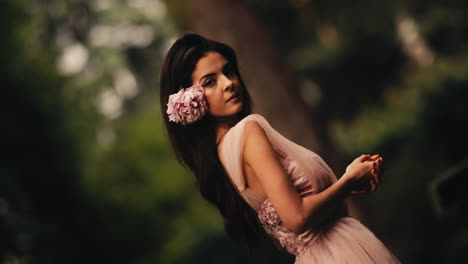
x=87 y=175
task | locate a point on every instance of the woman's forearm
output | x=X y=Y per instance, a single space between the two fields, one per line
x=318 y=207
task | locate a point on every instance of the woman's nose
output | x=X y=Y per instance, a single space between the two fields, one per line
x=227 y=83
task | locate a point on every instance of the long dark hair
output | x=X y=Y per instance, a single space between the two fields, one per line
x=195 y=144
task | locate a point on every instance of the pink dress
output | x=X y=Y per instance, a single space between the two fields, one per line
x=341 y=239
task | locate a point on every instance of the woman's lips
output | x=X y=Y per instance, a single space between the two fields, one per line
x=234 y=97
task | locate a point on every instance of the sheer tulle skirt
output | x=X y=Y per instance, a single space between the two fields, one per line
x=347 y=241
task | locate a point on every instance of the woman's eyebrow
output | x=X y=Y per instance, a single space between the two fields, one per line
x=207 y=75
x=214 y=73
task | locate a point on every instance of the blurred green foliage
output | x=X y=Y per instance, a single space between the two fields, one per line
x=77 y=186
x=87 y=174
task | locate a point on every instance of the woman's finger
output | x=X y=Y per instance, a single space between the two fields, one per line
x=376 y=174
x=363 y=157
x=380 y=161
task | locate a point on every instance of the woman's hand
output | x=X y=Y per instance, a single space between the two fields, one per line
x=364 y=174
x=378 y=168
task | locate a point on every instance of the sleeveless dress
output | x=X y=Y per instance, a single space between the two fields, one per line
x=340 y=239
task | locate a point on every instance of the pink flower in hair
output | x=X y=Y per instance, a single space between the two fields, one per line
x=187 y=106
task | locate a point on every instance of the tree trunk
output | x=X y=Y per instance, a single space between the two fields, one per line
x=273 y=87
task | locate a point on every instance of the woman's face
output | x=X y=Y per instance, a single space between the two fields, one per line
x=220 y=83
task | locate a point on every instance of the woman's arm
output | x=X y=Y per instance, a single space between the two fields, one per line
x=297 y=213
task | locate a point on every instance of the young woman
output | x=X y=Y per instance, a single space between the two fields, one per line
x=260 y=181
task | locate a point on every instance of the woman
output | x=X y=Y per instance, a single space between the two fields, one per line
x=259 y=180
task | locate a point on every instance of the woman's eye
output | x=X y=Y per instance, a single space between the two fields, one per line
x=210 y=82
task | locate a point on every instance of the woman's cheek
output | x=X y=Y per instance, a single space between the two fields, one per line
x=209 y=100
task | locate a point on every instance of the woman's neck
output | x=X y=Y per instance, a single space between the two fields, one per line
x=220 y=132
x=223 y=126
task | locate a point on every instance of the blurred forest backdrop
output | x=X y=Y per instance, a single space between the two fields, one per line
x=87 y=175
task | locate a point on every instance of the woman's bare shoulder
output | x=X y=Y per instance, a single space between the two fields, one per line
x=256 y=139
x=256 y=142
x=252 y=126
x=255 y=136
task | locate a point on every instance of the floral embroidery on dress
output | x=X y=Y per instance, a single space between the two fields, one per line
x=272 y=225
x=268 y=217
